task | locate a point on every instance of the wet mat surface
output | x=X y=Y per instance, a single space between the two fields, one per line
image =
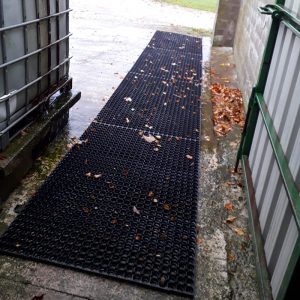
x=123 y=203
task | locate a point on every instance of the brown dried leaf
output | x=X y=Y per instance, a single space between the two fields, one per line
x=89 y=174
x=166 y=206
x=38 y=297
x=150 y=194
x=138 y=237
x=231 y=257
x=227 y=108
x=230 y=219
x=239 y=231
x=85 y=210
x=173 y=218
x=114 y=221
x=199 y=241
x=228 y=206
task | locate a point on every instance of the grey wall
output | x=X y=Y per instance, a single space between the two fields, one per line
x=250 y=40
x=225 y=26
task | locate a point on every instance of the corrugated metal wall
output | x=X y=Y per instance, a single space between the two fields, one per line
x=282 y=96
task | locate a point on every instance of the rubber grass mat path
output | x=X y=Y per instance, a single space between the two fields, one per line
x=123 y=201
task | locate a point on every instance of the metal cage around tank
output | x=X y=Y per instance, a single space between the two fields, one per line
x=34 y=60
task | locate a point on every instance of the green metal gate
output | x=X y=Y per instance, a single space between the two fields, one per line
x=270 y=153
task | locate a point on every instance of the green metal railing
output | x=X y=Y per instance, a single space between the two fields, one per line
x=257 y=105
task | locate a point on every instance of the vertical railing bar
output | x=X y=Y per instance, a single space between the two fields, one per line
x=25 y=32
x=4 y=55
x=49 y=42
x=37 y=6
x=57 y=46
x=252 y=116
x=67 y=32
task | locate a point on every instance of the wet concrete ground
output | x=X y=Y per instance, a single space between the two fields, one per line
x=108 y=39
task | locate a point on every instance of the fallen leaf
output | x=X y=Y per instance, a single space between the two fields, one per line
x=166 y=206
x=230 y=183
x=38 y=297
x=138 y=237
x=114 y=221
x=158 y=137
x=230 y=257
x=98 y=176
x=89 y=174
x=199 y=241
x=148 y=126
x=86 y=210
x=173 y=218
x=155 y=200
x=228 y=108
x=228 y=206
x=136 y=211
x=230 y=219
x=239 y=231
x=112 y=186
x=149 y=139
x=150 y=195
x=128 y=99
x=189 y=157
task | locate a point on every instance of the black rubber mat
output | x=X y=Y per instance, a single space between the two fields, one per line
x=123 y=203
x=169 y=65
x=176 y=42
x=163 y=106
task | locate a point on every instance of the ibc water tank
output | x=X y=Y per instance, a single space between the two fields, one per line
x=34 y=58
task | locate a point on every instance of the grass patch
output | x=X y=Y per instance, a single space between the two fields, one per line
x=207 y=5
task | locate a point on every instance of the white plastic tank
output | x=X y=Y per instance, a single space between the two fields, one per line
x=34 y=55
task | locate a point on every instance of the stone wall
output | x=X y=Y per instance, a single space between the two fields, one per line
x=225 y=26
x=250 y=40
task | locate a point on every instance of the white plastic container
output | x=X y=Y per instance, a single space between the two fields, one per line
x=34 y=55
